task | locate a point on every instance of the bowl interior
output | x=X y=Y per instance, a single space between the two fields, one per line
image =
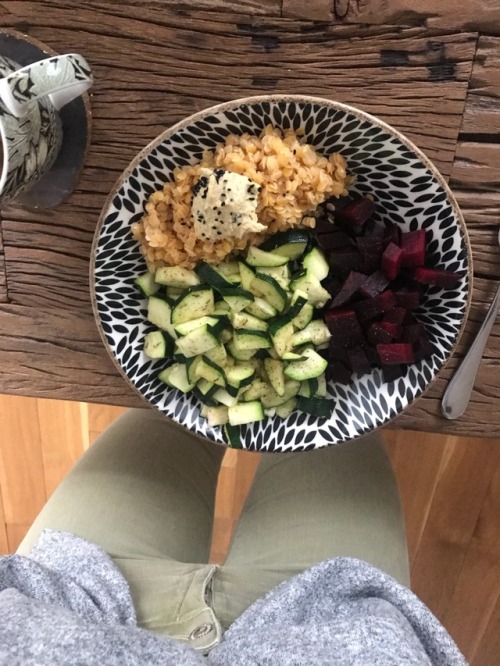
x=408 y=190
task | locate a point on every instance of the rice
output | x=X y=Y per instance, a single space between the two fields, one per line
x=295 y=179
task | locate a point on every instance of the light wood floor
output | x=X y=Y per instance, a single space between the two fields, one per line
x=450 y=489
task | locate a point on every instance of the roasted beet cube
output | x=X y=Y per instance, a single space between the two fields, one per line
x=407 y=299
x=392 y=372
x=355 y=213
x=436 y=276
x=413 y=333
x=344 y=327
x=371 y=262
x=373 y=307
x=423 y=349
x=395 y=330
x=395 y=316
x=358 y=360
x=392 y=234
x=374 y=285
x=374 y=230
x=350 y=287
x=391 y=260
x=385 y=301
x=339 y=373
x=369 y=243
x=395 y=353
x=344 y=260
x=334 y=240
x=337 y=352
x=324 y=225
x=376 y=334
x=413 y=246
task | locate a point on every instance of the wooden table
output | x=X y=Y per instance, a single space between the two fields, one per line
x=433 y=74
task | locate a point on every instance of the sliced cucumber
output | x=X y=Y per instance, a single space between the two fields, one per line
x=236 y=298
x=146 y=283
x=245 y=412
x=316 y=332
x=160 y=314
x=240 y=354
x=216 y=416
x=257 y=257
x=176 y=276
x=281 y=332
x=232 y=435
x=246 y=274
x=188 y=326
x=158 y=344
x=290 y=244
x=275 y=373
x=314 y=365
x=310 y=285
x=320 y=407
x=246 y=320
x=284 y=410
x=280 y=273
x=315 y=263
x=261 y=309
x=196 y=302
x=247 y=339
x=197 y=342
x=267 y=288
x=210 y=275
x=176 y=377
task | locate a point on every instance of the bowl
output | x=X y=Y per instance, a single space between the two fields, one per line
x=408 y=190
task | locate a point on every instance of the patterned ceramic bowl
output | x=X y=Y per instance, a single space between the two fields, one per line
x=408 y=190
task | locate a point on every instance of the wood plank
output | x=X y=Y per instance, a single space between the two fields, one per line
x=15 y=534
x=61 y=439
x=3 y=280
x=483 y=99
x=21 y=471
x=480 y=15
x=488 y=649
x=4 y=544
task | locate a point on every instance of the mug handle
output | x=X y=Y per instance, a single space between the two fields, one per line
x=61 y=78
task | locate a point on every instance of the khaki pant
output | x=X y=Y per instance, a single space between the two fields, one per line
x=145 y=493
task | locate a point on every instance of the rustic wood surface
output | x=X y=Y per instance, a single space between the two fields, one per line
x=435 y=77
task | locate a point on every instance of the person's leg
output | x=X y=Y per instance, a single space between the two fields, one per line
x=145 y=493
x=307 y=507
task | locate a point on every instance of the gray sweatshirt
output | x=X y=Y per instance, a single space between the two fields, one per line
x=68 y=604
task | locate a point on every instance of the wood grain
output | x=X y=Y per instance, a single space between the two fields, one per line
x=4 y=544
x=483 y=100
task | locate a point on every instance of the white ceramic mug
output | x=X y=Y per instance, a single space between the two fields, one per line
x=30 y=126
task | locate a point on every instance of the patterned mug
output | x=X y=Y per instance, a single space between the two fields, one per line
x=30 y=125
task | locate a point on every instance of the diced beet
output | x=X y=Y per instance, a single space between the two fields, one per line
x=339 y=373
x=325 y=225
x=355 y=213
x=423 y=349
x=369 y=243
x=413 y=333
x=371 y=262
x=374 y=230
x=377 y=334
x=391 y=260
x=407 y=299
x=337 y=353
x=334 y=240
x=395 y=330
x=392 y=372
x=392 y=234
x=350 y=287
x=395 y=353
x=385 y=300
x=373 y=307
x=413 y=246
x=436 y=276
x=345 y=260
x=395 y=316
x=374 y=285
x=358 y=361
x=344 y=328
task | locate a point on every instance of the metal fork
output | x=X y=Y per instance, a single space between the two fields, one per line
x=457 y=395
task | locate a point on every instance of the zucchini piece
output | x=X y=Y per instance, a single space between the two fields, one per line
x=293 y=356
x=160 y=314
x=224 y=398
x=210 y=275
x=236 y=298
x=271 y=399
x=316 y=332
x=176 y=377
x=216 y=416
x=261 y=309
x=207 y=369
x=304 y=317
x=284 y=410
x=191 y=365
x=221 y=308
x=257 y=257
x=280 y=273
x=205 y=387
x=173 y=293
x=299 y=299
x=256 y=390
x=322 y=390
x=291 y=244
x=218 y=355
x=246 y=274
x=281 y=332
x=197 y=342
x=176 y=276
x=196 y=302
x=314 y=365
x=246 y=320
x=232 y=435
x=225 y=336
x=230 y=271
x=188 y=326
x=245 y=412
x=310 y=285
x=266 y=287
x=270 y=412
x=240 y=354
x=275 y=373
x=205 y=400
x=146 y=283
x=248 y=339
x=320 y=407
x=240 y=375
x=308 y=388
x=158 y=344
x=315 y=263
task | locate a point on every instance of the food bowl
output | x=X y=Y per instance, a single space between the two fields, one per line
x=408 y=191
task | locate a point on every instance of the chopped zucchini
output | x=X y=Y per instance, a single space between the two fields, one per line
x=216 y=416
x=224 y=398
x=240 y=375
x=271 y=398
x=210 y=275
x=246 y=274
x=232 y=435
x=248 y=339
x=245 y=412
x=246 y=320
x=299 y=299
x=315 y=263
x=280 y=273
x=261 y=309
x=281 y=332
x=205 y=387
x=211 y=372
x=310 y=285
x=160 y=314
x=266 y=287
x=196 y=302
x=274 y=370
x=176 y=377
x=256 y=390
x=173 y=293
x=240 y=354
x=217 y=355
x=230 y=271
x=146 y=283
x=320 y=407
x=221 y=308
x=197 y=342
x=316 y=332
x=304 y=317
x=236 y=298
x=176 y=276
x=188 y=326
x=257 y=257
x=322 y=390
x=313 y=366
x=290 y=244
x=158 y=344
x=293 y=356
x=284 y=410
